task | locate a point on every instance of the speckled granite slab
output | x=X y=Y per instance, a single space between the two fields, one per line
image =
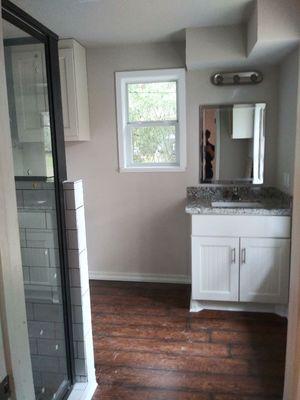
x=273 y=201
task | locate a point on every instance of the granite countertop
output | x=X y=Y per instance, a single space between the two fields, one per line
x=273 y=201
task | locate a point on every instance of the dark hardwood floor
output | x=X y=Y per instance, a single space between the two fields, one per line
x=149 y=347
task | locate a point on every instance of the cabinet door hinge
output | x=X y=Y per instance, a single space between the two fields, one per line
x=4 y=389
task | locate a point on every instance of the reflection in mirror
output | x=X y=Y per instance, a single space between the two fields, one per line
x=27 y=92
x=232 y=143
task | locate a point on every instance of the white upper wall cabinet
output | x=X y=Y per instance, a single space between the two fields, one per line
x=74 y=90
x=243 y=121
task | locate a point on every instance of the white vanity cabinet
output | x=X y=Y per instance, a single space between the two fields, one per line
x=74 y=90
x=241 y=259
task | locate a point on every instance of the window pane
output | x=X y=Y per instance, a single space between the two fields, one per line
x=154 y=145
x=155 y=101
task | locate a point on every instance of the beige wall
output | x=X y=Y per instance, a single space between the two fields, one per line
x=292 y=372
x=135 y=221
x=288 y=95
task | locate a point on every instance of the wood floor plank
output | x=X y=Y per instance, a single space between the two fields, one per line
x=148 y=346
x=242 y=397
x=170 y=380
x=271 y=352
x=113 y=392
x=171 y=301
x=155 y=310
x=188 y=363
x=149 y=332
x=248 y=338
x=101 y=319
x=159 y=346
x=243 y=325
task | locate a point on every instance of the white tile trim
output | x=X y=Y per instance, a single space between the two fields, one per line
x=139 y=277
x=83 y=391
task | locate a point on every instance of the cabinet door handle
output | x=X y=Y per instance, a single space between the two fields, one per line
x=233 y=256
x=244 y=256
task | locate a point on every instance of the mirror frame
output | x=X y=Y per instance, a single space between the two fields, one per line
x=233 y=182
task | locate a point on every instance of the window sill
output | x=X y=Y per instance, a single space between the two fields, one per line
x=152 y=169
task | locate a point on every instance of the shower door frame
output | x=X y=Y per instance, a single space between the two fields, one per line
x=14 y=15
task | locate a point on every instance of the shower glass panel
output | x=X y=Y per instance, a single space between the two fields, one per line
x=31 y=136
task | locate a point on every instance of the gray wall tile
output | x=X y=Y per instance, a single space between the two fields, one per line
x=51 y=220
x=32 y=257
x=40 y=199
x=54 y=258
x=26 y=275
x=22 y=237
x=33 y=346
x=77 y=314
x=80 y=366
x=29 y=311
x=37 y=329
x=19 y=195
x=48 y=312
x=78 y=332
x=32 y=219
x=80 y=350
x=39 y=238
x=45 y=364
x=51 y=347
x=75 y=296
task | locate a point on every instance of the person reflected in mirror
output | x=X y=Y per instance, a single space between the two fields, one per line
x=209 y=156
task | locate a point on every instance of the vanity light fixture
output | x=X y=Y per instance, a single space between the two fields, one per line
x=237 y=78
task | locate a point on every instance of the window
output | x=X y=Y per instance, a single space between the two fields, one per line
x=151 y=120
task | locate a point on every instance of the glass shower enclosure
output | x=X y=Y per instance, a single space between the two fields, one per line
x=33 y=88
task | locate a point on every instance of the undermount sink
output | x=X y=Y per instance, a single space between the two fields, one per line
x=237 y=204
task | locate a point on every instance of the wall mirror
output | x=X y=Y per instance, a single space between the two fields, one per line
x=232 y=143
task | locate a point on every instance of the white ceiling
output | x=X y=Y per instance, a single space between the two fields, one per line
x=95 y=22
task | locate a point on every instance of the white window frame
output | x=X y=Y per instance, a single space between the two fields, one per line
x=124 y=126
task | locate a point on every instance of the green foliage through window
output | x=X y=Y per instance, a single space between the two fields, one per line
x=150 y=102
x=154 y=144
x=153 y=101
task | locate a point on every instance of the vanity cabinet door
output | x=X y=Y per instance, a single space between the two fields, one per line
x=264 y=270
x=215 y=268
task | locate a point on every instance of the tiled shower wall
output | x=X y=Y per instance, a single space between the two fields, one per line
x=40 y=259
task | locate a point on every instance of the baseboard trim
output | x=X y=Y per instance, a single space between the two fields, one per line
x=200 y=305
x=134 y=277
